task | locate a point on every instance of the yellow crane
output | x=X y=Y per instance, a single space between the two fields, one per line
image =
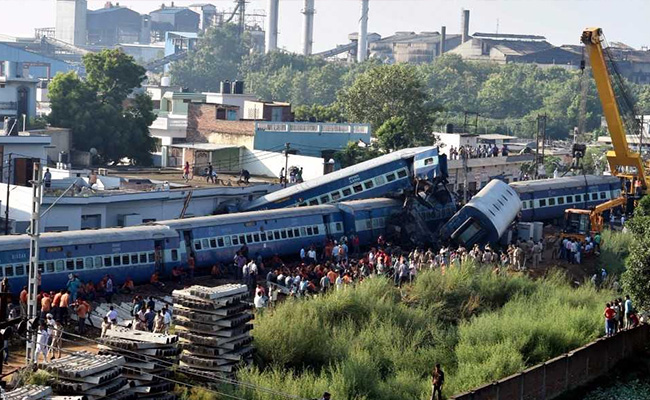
x=578 y=223
x=623 y=162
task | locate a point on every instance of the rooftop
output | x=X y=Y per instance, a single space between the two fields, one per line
x=496 y=136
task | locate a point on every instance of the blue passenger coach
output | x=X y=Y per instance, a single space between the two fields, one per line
x=546 y=199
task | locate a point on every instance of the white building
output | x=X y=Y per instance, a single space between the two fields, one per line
x=17 y=92
x=18 y=154
x=480 y=171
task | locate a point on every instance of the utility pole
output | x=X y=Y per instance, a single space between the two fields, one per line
x=465 y=178
x=535 y=174
x=8 y=190
x=287 y=147
x=541 y=130
x=32 y=283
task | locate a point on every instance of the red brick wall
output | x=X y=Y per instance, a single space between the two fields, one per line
x=203 y=127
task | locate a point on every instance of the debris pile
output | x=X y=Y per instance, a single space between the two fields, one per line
x=149 y=360
x=90 y=375
x=28 y=392
x=213 y=327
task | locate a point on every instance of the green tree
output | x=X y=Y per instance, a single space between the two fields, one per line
x=393 y=133
x=95 y=111
x=636 y=278
x=216 y=58
x=319 y=113
x=353 y=154
x=390 y=91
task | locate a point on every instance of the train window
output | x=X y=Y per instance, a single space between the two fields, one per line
x=197 y=245
x=313 y=202
x=205 y=243
x=339 y=227
x=263 y=236
x=531 y=204
x=303 y=204
x=569 y=199
x=69 y=265
x=504 y=198
x=578 y=198
x=325 y=199
x=108 y=261
x=213 y=243
x=49 y=266
x=134 y=258
x=310 y=231
x=369 y=223
x=380 y=180
x=220 y=242
x=296 y=232
x=226 y=240
x=79 y=263
x=303 y=231
x=9 y=270
x=594 y=196
x=542 y=202
x=492 y=212
x=143 y=258
x=242 y=240
x=174 y=255
x=500 y=202
x=283 y=233
x=316 y=230
x=560 y=200
x=249 y=238
x=336 y=195
x=125 y=260
x=1 y=271
x=524 y=206
x=116 y=261
x=89 y=263
x=152 y=257
x=357 y=188
x=551 y=201
x=603 y=195
x=256 y=237
x=276 y=234
x=20 y=270
x=496 y=207
x=390 y=177
x=41 y=267
x=368 y=185
x=401 y=173
x=235 y=241
x=290 y=233
x=347 y=192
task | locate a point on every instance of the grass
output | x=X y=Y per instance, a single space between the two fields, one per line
x=374 y=341
x=614 y=250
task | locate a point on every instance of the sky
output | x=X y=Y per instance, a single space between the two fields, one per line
x=560 y=21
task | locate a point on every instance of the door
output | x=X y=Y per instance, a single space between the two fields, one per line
x=23 y=102
x=159 y=256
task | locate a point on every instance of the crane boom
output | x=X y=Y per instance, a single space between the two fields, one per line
x=621 y=156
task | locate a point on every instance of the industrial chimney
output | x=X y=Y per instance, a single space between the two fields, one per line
x=464 y=26
x=362 y=49
x=272 y=25
x=308 y=27
x=443 y=39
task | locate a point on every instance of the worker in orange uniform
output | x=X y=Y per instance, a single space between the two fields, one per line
x=155 y=280
x=82 y=313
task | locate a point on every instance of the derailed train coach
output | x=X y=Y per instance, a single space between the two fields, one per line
x=485 y=218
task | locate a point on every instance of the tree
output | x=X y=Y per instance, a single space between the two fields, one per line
x=636 y=278
x=393 y=133
x=353 y=154
x=94 y=109
x=318 y=113
x=216 y=58
x=390 y=91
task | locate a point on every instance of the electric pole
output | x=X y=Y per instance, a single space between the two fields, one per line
x=8 y=190
x=287 y=147
x=32 y=283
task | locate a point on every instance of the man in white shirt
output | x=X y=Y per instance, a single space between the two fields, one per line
x=312 y=255
x=112 y=315
x=42 y=340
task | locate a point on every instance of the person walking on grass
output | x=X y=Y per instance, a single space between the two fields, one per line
x=437 y=380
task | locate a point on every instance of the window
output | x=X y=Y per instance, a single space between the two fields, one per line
x=276 y=234
x=339 y=227
x=560 y=200
x=594 y=196
x=79 y=263
x=316 y=230
x=174 y=255
x=313 y=202
x=569 y=199
x=325 y=199
x=134 y=258
x=197 y=245
x=347 y=192
x=283 y=233
x=368 y=185
x=235 y=241
x=108 y=261
x=542 y=202
x=213 y=243
x=116 y=261
x=310 y=231
x=401 y=173
x=59 y=265
x=357 y=188
x=603 y=195
x=578 y=198
x=256 y=237
x=380 y=180
x=296 y=232
x=290 y=233
x=390 y=177
x=143 y=258
x=41 y=267
x=152 y=257
x=226 y=240
x=49 y=266
x=69 y=265
x=249 y=238
x=125 y=259
x=220 y=242
x=20 y=270
x=9 y=270
x=263 y=237
x=205 y=244
x=336 y=195
x=242 y=240
x=551 y=201
x=89 y=262
x=303 y=231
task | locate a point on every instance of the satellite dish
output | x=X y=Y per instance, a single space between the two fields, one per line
x=93 y=151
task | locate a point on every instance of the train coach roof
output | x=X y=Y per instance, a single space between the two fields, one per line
x=243 y=217
x=336 y=175
x=562 y=183
x=14 y=242
x=368 y=204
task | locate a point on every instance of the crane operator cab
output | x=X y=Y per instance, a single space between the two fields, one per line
x=577 y=224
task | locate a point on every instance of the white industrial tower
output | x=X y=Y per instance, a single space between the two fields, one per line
x=71 y=21
x=362 y=49
x=272 y=25
x=308 y=27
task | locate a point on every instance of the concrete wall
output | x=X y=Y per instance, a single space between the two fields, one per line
x=567 y=372
x=71 y=21
x=203 y=127
x=266 y=163
x=482 y=170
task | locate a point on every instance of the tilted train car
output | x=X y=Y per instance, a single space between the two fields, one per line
x=546 y=199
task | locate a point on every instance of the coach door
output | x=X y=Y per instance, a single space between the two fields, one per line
x=327 y=220
x=159 y=256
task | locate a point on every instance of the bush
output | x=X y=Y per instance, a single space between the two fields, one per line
x=614 y=251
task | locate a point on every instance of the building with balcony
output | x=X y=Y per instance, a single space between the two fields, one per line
x=17 y=91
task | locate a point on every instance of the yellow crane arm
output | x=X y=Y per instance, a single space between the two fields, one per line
x=621 y=156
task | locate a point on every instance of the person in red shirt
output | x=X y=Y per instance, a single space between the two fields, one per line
x=23 y=302
x=610 y=320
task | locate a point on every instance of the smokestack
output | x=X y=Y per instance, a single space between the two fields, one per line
x=362 y=49
x=272 y=25
x=308 y=27
x=464 y=26
x=443 y=39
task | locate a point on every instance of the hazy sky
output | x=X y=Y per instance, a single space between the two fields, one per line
x=561 y=21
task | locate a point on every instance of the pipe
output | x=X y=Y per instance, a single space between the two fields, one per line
x=308 y=27
x=362 y=49
x=443 y=39
x=272 y=25
x=464 y=25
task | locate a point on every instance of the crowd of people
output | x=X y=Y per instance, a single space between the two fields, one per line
x=478 y=151
x=619 y=315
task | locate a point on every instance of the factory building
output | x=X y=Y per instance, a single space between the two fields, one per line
x=71 y=21
x=178 y=19
x=113 y=24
